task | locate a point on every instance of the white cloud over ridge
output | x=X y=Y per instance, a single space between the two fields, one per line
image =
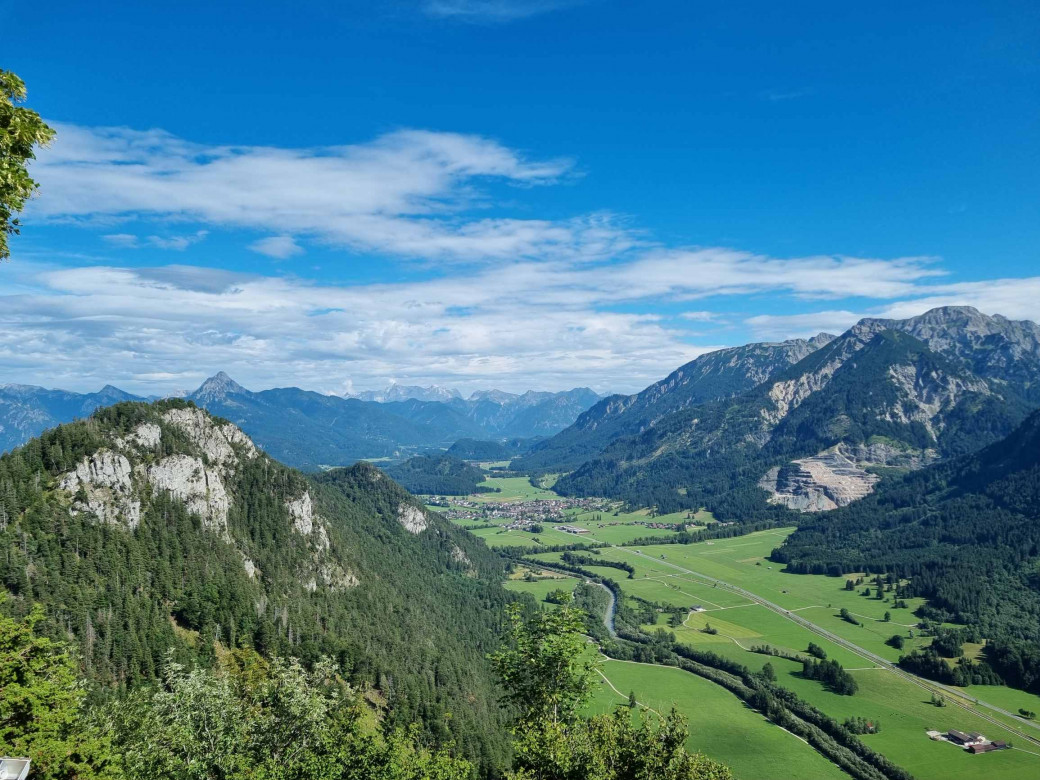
x=513 y=302
x=523 y=325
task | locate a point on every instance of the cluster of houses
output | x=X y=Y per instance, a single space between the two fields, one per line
x=520 y=513
x=972 y=741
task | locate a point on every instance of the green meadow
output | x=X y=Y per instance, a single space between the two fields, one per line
x=903 y=708
x=541 y=587
x=721 y=726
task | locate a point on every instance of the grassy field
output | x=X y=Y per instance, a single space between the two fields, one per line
x=902 y=708
x=500 y=537
x=720 y=725
x=513 y=489
x=546 y=583
x=742 y=561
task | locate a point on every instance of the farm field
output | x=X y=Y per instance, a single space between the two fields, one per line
x=1008 y=698
x=721 y=726
x=500 y=537
x=902 y=707
x=540 y=588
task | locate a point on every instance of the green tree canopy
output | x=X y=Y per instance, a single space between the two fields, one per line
x=42 y=712
x=21 y=131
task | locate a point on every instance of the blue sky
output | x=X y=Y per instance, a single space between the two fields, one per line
x=507 y=193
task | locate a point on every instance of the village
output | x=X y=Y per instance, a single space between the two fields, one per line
x=522 y=514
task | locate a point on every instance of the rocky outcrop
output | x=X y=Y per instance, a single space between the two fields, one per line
x=215 y=441
x=102 y=485
x=145 y=435
x=198 y=486
x=306 y=522
x=789 y=394
x=302 y=513
x=927 y=395
x=412 y=518
x=838 y=476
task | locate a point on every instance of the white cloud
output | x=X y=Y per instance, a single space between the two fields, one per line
x=122 y=240
x=131 y=241
x=409 y=193
x=549 y=324
x=789 y=326
x=278 y=247
x=1016 y=299
x=494 y=10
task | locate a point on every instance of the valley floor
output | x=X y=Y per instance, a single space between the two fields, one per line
x=748 y=601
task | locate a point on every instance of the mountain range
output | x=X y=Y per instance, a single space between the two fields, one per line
x=311 y=430
x=832 y=416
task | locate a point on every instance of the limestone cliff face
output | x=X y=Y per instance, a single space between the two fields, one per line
x=198 y=486
x=215 y=441
x=412 y=518
x=102 y=485
x=184 y=453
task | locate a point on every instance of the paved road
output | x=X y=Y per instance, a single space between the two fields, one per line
x=928 y=685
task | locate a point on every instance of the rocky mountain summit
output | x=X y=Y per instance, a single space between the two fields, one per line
x=715 y=375
x=887 y=394
x=179 y=452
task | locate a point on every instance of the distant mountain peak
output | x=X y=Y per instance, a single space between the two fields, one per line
x=218 y=386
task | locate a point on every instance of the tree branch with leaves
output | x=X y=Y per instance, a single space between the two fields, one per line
x=22 y=131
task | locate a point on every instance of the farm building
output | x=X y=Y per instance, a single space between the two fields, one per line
x=986 y=747
x=960 y=738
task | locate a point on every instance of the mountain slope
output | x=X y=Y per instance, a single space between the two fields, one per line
x=967 y=533
x=809 y=435
x=150 y=527
x=27 y=411
x=309 y=430
x=710 y=377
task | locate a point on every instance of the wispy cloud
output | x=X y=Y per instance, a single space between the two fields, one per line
x=411 y=193
x=494 y=10
x=1013 y=298
x=131 y=241
x=278 y=247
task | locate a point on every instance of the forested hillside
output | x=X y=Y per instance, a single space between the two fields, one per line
x=966 y=533
x=818 y=434
x=440 y=474
x=151 y=527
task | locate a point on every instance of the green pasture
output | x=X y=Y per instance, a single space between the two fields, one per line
x=512 y=489
x=540 y=588
x=721 y=726
x=499 y=537
x=902 y=707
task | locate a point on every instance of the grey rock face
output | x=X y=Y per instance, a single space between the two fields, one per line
x=103 y=487
x=412 y=518
x=198 y=486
